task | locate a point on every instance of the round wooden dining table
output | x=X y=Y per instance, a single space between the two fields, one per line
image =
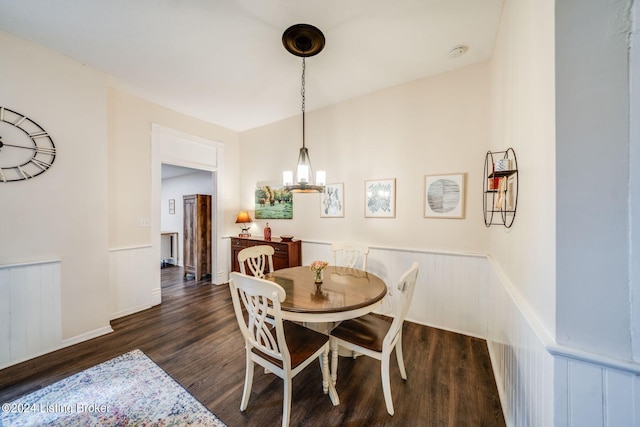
x=345 y=293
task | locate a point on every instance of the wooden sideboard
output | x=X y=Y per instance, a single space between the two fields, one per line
x=286 y=254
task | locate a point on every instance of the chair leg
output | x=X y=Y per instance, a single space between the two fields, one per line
x=286 y=402
x=386 y=384
x=399 y=356
x=248 y=381
x=334 y=360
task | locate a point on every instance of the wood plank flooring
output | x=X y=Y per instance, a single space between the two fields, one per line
x=194 y=337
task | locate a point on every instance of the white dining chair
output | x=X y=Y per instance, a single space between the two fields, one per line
x=376 y=336
x=347 y=254
x=284 y=348
x=257 y=258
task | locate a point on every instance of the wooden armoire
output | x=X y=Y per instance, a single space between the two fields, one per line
x=197 y=235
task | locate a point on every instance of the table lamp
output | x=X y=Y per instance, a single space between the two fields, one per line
x=244 y=218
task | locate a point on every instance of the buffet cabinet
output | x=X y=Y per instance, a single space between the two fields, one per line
x=197 y=235
x=286 y=254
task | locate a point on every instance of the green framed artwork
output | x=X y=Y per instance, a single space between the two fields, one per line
x=273 y=202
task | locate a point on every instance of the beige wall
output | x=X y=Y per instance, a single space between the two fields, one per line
x=61 y=214
x=523 y=117
x=99 y=187
x=431 y=126
x=130 y=121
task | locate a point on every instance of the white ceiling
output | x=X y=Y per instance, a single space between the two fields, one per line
x=223 y=60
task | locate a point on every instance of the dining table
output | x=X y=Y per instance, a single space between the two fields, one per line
x=345 y=293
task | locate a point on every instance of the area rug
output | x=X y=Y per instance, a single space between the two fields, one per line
x=125 y=391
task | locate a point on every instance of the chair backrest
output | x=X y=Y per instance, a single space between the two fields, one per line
x=346 y=254
x=406 y=286
x=260 y=298
x=257 y=258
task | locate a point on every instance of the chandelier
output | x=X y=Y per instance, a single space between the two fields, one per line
x=303 y=40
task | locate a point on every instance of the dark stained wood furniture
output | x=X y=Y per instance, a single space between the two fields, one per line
x=197 y=235
x=286 y=254
x=193 y=335
x=344 y=294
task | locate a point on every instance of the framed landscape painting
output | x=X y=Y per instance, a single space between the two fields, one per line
x=332 y=201
x=444 y=196
x=380 y=198
x=273 y=202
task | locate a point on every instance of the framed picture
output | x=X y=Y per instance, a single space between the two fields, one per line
x=332 y=201
x=380 y=198
x=444 y=195
x=273 y=202
x=172 y=206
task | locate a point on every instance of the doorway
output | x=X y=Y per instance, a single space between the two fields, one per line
x=194 y=155
x=177 y=182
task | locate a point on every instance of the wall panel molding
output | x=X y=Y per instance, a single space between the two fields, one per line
x=131 y=281
x=540 y=383
x=30 y=310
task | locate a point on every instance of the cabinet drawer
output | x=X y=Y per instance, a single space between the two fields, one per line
x=241 y=243
x=280 y=250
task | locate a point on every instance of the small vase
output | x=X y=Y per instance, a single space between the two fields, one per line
x=318 y=276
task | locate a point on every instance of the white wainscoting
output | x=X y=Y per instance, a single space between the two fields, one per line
x=540 y=383
x=30 y=315
x=522 y=366
x=544 y=384
x=134 y=286
x=592 y=395
x=451 y=292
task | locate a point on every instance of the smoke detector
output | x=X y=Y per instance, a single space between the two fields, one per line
x=458 y=51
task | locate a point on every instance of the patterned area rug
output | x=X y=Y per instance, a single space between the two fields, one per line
x=125 y=391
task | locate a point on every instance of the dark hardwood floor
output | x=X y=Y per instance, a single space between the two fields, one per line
x=193 y=335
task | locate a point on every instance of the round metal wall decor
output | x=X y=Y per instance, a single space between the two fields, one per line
x=26 y=149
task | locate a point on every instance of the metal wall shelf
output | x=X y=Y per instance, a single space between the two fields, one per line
x=500 y=188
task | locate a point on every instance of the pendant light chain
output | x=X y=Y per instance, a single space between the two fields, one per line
x=302 y=91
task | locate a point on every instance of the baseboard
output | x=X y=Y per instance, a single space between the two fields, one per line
x=64 y=343
x=156 y=296
x=221 y=278
x=129 y=311
x=453 y=330
x=504 y=401
x=86 y=336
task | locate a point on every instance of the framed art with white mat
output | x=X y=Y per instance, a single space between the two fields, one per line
x=444 y=195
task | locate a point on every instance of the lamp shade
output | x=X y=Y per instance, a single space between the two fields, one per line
x=243 y=217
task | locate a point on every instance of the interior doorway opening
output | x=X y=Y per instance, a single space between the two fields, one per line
x=178 y=183
x=170 y=149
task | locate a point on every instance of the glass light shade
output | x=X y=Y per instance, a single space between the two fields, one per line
x=304 y=176
x=287 y=178
x=303 y=172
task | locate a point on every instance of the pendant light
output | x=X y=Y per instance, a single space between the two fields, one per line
x=303 y=40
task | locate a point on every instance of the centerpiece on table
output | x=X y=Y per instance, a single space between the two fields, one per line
x=317 y=267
